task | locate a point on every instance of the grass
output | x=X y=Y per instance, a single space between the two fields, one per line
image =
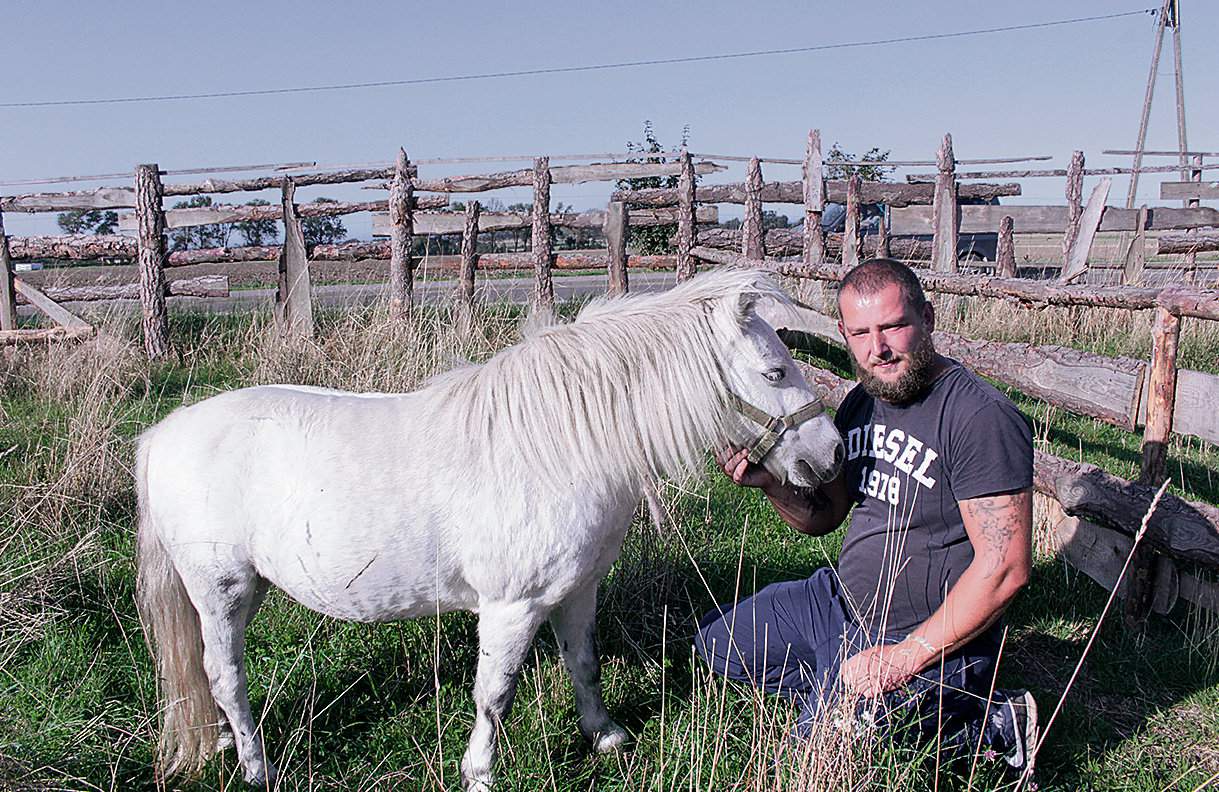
x=349 y=706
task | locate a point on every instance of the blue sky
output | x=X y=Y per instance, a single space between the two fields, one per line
x=1045 y=91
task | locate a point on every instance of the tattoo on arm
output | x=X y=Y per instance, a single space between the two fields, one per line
x=996 y=519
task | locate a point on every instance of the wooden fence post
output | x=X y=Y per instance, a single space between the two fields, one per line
x=814 y=201
x=401 y=232
x=1005 y=257
x=616 y=222
x=293 y=299
x=850 y=233
x=882 y=239
x=1075 y=206
x=150 y=246
x=944 y=211
x=1136 y=254
x=543 y=292
x=1076 y=262
x=1191 y=256
x=752 y=244
x=1157 y=431
x=8 y=298
x=685 y=218
x=469 y=255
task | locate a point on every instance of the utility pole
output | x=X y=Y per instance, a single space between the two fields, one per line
x=1165 y=10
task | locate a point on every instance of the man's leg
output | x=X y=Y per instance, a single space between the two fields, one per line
x=785 y=639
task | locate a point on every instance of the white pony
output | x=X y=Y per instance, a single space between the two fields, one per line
x=504 y=488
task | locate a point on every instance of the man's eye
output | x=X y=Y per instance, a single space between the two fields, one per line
x=774 y=375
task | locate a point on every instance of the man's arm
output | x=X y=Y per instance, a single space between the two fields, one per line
x=815 y=512
x=1000 y=529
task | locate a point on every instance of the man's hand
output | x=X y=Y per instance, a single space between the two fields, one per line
x=736 y=466
x=882 y=668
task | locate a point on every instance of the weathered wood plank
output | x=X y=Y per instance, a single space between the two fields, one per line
x=945 y=223
x=235 y=213
x=563 y=174
x=1085 y=232
x=852 y=242
x=616 y=229
x=442 y=223
x=150 y=252
x=834 y=191
x=469 y=255
x=57 y=313
x=1200 y=242
x=751 y=224
x=293 y=299
x=1051 y=219
x=275 y=182
x=101 y=198
x=47 y=335
x=201 y=286
x=687 y=197
x=1101 y=553
x=401 y=232
x=539 y=236
x=1005 y=254
x=1206 y=191
x=8 y=296
x=813 y=192
x=1136 y=254
x=1075 y=208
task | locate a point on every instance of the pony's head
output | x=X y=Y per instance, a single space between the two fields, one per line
x=778 y=415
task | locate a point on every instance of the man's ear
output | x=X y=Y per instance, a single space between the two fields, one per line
x=929 y=316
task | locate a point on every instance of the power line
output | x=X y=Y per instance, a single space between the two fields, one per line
x=574 y=69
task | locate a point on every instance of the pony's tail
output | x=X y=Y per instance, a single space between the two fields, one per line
x=189 y=727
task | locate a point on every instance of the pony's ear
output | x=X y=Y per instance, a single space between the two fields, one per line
x=784 y=315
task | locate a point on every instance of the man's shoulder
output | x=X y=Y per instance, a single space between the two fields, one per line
x=967 y=388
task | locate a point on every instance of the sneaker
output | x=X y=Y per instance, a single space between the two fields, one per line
x=1019 y=713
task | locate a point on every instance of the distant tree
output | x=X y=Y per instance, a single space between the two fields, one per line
x=322 y=230
x=258 y=232
x=88 y=221
x=649 y=240
x=211 y=235
x=843 y=164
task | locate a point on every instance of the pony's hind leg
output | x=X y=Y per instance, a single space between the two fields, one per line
x=505 y=632
x=225 y=608
x=575 y=626
x=225 y=739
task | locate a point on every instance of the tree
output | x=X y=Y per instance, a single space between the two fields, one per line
x=322 y=230
x=88 y=221
x=843 y=165
x=258 y=232
x=649 y=240
x=211 y=235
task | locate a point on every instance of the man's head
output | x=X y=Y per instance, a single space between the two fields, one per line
x=887 y=324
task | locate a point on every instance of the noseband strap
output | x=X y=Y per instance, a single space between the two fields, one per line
x=773 y=426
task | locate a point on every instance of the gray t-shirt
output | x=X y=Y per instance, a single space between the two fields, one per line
x=907 y=467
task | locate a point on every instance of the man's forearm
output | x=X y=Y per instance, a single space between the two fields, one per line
x=813 y=512
x=976 y=601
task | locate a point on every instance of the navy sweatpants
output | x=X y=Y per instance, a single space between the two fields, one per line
x=791 y=638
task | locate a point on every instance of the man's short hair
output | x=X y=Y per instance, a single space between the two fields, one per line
x=875 y=274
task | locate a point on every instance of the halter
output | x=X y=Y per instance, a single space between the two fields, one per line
x=773 y=427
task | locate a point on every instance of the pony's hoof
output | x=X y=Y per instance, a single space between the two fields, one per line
x=475 y=784
x=612 y=739
x=264 y=779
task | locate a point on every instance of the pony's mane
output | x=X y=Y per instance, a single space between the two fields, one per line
x=631 y=390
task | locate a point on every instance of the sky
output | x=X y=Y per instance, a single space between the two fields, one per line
x=1045 y=91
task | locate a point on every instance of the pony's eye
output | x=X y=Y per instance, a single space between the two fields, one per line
x=774 y=375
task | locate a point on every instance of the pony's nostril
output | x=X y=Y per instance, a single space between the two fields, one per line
x=839 y=454
x=805 y=470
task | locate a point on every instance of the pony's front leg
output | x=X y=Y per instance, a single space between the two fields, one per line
x=575 y=626
x=505 y=631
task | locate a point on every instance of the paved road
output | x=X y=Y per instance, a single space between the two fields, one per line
x=517 y=290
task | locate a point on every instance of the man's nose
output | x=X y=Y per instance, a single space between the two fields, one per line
x=879 y=349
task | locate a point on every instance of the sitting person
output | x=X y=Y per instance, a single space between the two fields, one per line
x=939 y=469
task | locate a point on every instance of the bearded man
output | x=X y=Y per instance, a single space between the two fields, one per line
x=939 y=471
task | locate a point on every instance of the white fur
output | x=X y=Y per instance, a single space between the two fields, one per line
x=504 y=488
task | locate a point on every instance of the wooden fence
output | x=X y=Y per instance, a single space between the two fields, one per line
x=1103 y=510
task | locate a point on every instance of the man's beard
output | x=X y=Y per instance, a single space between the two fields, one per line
x=910 y=385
